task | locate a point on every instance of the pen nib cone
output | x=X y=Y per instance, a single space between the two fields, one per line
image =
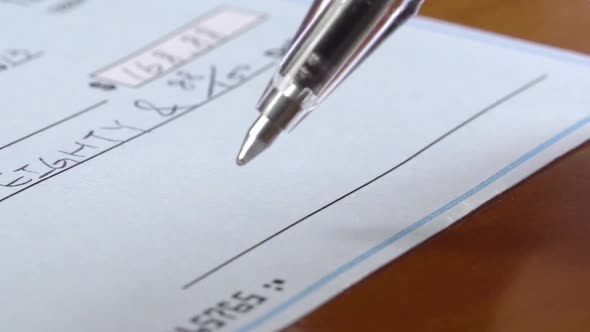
x=251 y=148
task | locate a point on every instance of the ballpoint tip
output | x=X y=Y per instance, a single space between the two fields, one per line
x=241 y=162
x=251 y=148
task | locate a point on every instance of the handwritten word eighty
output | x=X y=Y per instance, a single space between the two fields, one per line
x=14 y=57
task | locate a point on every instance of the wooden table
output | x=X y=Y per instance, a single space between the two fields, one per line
x=519 y=263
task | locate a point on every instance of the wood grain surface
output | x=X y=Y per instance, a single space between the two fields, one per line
x=519 y=263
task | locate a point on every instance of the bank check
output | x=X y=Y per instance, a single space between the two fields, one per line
x=122 y=209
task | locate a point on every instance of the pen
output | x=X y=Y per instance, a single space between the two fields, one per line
x=334 y=38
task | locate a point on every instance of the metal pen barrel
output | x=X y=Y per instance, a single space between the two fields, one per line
x=336 y=36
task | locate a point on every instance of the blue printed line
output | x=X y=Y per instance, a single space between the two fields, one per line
x=504 y=41
x=398 y=236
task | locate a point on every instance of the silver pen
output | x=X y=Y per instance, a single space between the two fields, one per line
x=334 y=38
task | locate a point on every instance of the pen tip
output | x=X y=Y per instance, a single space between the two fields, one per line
x=241 y=162
x=251 y=148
